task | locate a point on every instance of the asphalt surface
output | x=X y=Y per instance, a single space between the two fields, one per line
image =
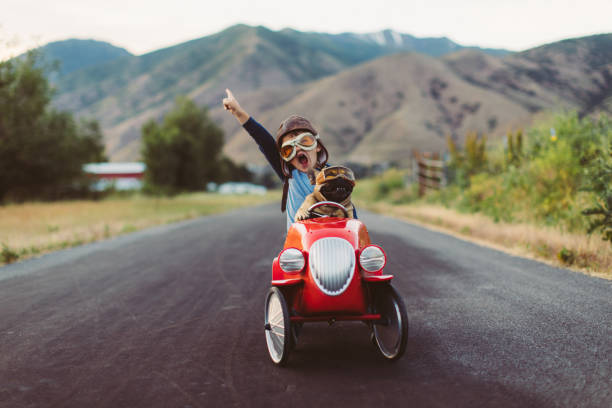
x=173 y=317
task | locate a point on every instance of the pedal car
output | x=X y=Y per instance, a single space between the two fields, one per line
x=329 y=271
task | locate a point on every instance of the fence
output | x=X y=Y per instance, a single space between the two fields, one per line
x=428 y=170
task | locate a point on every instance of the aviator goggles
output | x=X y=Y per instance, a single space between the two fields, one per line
x=330 y=173
x=307 y=141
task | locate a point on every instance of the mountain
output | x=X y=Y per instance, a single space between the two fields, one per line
x=574 y=73
x=381 y=110
x=75 y=54
x=126 y=92
x=372 y=100
x=435 y=47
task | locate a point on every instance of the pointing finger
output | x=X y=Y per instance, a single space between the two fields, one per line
x=229 y=93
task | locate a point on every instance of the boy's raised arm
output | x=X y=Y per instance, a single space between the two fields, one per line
x=265 y=141
x=231 y=104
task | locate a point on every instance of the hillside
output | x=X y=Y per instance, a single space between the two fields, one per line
x=74 y=54
x=381 y=110
x=574 y=73
x=372 y=104
x=124 y=93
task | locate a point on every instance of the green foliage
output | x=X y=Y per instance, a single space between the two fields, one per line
x=552 y=180
x=485 y=194
x=566 y=256
x=389 y=181
x=547 y=177
x=582 y=135
x=514 y=148
x=183 y=153
x=599 y=182
x=8 y=255
x=389 y=186
x=42 y=151
x=472 y=160
x=230 y=171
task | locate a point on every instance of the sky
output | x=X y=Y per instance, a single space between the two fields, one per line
x=142 y=26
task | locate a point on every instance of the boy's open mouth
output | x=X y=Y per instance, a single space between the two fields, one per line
x=302 y=159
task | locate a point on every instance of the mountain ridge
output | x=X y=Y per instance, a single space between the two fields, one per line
x=74 y=54
x=275 y=73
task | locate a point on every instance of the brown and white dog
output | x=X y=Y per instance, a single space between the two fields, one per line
x=334 y=183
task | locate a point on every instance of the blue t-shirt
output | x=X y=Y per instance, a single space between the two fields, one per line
x=299 y=188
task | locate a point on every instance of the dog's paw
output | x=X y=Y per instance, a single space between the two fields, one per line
x=301 y=215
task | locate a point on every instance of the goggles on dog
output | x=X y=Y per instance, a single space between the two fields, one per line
x=330 y=173
x=307 y=141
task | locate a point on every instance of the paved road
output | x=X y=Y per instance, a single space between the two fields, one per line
x=172 y=317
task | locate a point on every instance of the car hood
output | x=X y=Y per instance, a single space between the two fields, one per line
x=303 y=234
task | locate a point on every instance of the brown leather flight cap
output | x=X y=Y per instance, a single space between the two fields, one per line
x=294 y=122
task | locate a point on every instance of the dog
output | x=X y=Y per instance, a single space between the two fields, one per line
x=334 y=183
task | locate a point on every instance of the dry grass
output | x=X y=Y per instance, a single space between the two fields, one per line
x=34 y=228
x=587 y=254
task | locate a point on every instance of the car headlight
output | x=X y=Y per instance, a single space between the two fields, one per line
x=372 y=258
x=291 y=260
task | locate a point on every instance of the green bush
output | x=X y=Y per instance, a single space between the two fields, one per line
x=559 y=166
x=540 y=177
x=389 y=181
x=555 y=177
x=470 y=161
x=486 y=195
x=405 y=195
x=561 y=178
x=514 y=149
x=566 y=256
x=599 y=176
x=8 y=255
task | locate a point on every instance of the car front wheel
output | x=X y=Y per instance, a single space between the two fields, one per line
x=277 y=326
x=391 y=332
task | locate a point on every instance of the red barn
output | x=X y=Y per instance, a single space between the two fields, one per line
x=120 y=176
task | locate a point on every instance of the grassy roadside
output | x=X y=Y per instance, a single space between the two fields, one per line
x=32 y=229
x=577 y=251
x=587 y=254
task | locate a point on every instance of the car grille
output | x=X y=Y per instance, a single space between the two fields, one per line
x=332 y=264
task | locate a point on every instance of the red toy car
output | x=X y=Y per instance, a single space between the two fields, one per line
x=329 y=271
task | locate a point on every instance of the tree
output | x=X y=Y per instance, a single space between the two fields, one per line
x=599 y=182
x=234 y=172
x=184 y=152
x=42 y=151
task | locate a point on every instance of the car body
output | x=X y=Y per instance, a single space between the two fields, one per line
x=331 y=284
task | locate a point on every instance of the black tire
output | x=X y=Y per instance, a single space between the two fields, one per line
x=296 y=329
x=277 y=327
x=391 y=334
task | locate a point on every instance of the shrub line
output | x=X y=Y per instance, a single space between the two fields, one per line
x=577 y=252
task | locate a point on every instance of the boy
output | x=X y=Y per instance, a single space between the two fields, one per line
x=300 y=149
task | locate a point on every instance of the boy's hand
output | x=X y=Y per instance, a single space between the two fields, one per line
x=231 y=104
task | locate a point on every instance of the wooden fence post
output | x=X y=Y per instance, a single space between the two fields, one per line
x=428 y=169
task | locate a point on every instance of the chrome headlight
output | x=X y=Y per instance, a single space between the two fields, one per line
x=372 y=259
x=291 y=260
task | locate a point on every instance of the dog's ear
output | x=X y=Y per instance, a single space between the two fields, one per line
x=312 y=177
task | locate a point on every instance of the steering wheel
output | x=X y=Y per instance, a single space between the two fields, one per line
x=324 y=203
